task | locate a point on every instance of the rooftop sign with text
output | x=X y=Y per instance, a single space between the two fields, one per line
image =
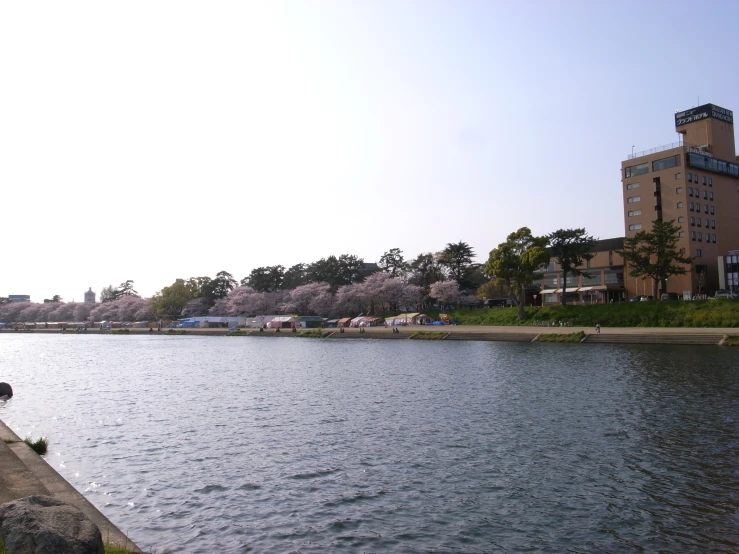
x=703 y=112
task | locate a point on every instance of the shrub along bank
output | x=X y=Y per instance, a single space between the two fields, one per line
x=694 y=313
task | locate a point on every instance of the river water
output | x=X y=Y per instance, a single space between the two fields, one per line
x=232 y=444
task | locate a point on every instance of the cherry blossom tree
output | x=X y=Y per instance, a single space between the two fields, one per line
x=10 y=311
x=126 y=308
x=349 y=300
x=310 y=299
x=246 y=301
x=63 y=312
x=81 y=311
x=30 y=312
x=446 y=292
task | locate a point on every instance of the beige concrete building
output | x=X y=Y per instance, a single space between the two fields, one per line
x=602 y=282
x=695 y=182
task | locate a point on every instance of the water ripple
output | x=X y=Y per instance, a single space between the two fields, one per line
x=208 y=444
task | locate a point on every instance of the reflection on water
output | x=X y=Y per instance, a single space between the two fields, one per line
x=216 y=444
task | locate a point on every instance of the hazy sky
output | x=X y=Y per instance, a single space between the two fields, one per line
x=155 y=140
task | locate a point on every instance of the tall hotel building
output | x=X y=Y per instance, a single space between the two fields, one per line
x=694 y=182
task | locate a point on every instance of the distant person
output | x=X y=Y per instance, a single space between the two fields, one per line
x=597 y=328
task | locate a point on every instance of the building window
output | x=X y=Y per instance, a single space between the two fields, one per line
x=634 y=213
x=705 y=195
x=697 y=207
x=705 y=181
x=711 y=210
x=666 y=163
x=679 y=190
x=699 y=252
x=632 y=199
x=681 y=219
x=710 y=196
x=713 y=224
x=692 y=207
x=692 y=235
x=681 y=234
x=690 y=191
x=699 y=222
x=632 y=186
x=713 y=237
x=692 y=220
x=707 y=223
x=690 y=177
x=634 y=226
x=679 y=204
x=682 y=251
x=635 y=170
x=712 y=164
x=705 y=209
x=700 y=237
x=710 y=181
x=678 y=175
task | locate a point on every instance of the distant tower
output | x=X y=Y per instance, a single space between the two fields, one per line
x=89 y=297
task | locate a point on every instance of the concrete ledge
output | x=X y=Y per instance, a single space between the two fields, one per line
x=25 y=473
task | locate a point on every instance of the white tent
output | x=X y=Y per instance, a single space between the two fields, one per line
x=282 y=321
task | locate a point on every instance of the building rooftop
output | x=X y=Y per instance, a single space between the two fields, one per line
x=609 y=244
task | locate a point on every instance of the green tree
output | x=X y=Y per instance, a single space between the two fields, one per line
x=55 y=298
x=393 y=262
x=200 y=283
x=425 y=270
x=294 y=277
x=220 y=286
x=351 y=269
x=172 y=300
x=344 y=270
x=571 y=248
x=266 y=279
x=457 y=259
x=108 y=294
x=654 y=254
x=513 y=263
x=125 y=289
x=492 y=290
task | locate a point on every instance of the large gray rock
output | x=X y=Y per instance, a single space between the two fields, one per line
x=45 y=525
x=6 y=390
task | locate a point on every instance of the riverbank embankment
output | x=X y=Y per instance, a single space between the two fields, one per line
x=25 y=473
x=607 y=335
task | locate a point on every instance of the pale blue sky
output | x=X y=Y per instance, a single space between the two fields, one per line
x=156 y=140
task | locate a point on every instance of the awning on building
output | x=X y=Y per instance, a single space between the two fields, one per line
x=585 y=289
x=548 y=291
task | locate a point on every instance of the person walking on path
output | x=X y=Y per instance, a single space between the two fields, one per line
x=597 y=328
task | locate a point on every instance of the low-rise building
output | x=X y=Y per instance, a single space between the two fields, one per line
x=603 y=280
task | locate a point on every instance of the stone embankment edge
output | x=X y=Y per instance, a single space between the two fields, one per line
x=623 y=335
x=59 y=488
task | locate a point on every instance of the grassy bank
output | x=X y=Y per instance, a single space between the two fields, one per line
x=561 y=337
x=311 y=333
x=701 y=313
x=428 y=335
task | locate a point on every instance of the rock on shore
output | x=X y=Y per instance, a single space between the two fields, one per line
x=45 y=525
